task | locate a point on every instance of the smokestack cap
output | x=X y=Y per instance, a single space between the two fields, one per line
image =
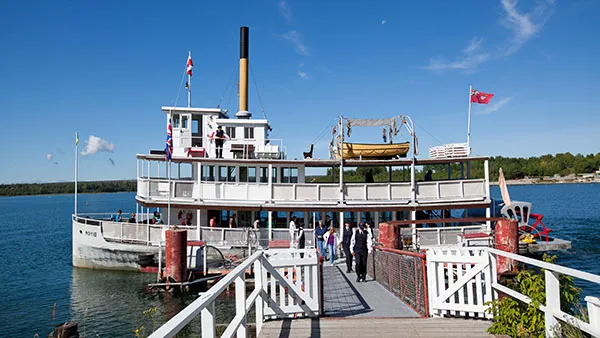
x=243 y=114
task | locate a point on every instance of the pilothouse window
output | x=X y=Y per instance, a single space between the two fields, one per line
x=248 y=132
x=175 y=121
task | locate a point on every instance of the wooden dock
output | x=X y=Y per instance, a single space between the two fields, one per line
x=375 y=327
x=365 y=309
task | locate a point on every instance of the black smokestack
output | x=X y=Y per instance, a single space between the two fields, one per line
x=244 y=42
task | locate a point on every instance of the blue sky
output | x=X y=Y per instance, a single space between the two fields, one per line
x=105 y=69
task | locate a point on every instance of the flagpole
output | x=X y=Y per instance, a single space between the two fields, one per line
x=76 y=167
x=469 y=123
x=189 y=89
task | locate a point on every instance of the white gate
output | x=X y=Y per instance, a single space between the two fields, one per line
x=460 y=281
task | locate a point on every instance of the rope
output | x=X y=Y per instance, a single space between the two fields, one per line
x=323 y=133
x=262 y=108
x=231 y=77
x=180 y=83
x=230 y=94
x=425 y=130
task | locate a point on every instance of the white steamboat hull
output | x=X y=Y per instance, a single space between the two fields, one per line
x=91 y=250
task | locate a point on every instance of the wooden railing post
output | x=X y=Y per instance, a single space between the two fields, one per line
x=240 y=304
x=552 y=302
x=259 y=303
x=208 y=321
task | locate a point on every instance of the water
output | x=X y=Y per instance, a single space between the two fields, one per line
x=36 y=270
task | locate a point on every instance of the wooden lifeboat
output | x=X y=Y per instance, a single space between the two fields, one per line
x=366 y=151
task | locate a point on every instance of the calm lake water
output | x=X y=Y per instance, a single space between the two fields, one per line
x=35 y=251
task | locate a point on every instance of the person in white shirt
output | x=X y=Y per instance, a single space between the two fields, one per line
x=292 y=232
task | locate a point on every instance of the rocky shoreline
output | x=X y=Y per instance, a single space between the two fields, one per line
x=571 y=179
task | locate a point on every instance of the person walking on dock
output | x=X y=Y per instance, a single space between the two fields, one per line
x=361 y=246
x=320 y=238
x=348 y=232
x=332 y=240
x=292 y=232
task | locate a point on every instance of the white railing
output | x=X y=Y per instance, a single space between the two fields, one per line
x=439 y=236
x=285 y=285
x=462 y=280
x=375 y=193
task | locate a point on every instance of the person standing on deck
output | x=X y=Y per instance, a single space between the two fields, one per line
x=348 y=232
x=360 y=246
x=292 y=232
x=320 y=238
x=328 y=222
x=213 y=222
x=300 y=239
x=119 y=217
x=232 y=222
x=219 y=137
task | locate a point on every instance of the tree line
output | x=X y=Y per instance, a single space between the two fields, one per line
x=66 y=187
x=562 y=164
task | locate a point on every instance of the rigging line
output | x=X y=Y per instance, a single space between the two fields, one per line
x=228 y=83
x=231 y=94
x=262 y=108
x=180 y=83
x=322 y=133
x=425 y=130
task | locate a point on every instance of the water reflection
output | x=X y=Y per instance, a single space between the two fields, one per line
x=112 y=303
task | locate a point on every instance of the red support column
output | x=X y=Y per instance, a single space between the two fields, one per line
x=176 y=247
x=507 y=239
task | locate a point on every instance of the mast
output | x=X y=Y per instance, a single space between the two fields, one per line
x=76 y=168
x=469 y=123
x=189 y=66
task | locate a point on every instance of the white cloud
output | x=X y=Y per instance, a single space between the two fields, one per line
x=474 y=45
x=96 y=144
x=524 y=26
x=303 y=75
x=295 y=38
x=285 y=11
x=383 y=22
x=50 y=158
x=472 y=56
x=493 y=107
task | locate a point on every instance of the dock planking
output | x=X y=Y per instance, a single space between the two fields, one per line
x=379 y=327
x=344 y=297
x=354 y=309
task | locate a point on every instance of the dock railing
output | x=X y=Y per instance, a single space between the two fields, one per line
x=461 y=282
x=285 y=285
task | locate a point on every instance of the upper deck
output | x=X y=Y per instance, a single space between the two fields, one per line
x=271 y=184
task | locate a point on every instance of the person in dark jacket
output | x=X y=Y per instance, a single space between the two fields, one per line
x=361 y=245
x=301 y=239
x=320 y=231
x=346 y=245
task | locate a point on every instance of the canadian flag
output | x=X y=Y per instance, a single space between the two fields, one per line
x=190 y=65
x=480 y=97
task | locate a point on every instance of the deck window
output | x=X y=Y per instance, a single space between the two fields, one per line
x=289 y=175
x=264 y=175
x=252 y=174
x=248 y=174
x=208 y=172
x=248 y=133
x=222 y=173
x=231 y=173
x=230 y=131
